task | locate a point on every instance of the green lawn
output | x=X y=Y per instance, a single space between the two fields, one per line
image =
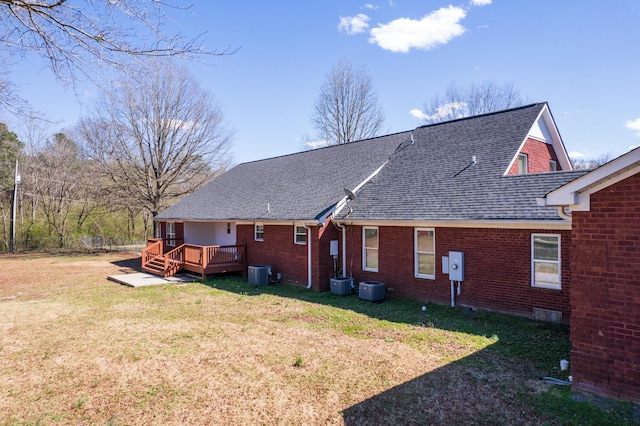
x=78 y=349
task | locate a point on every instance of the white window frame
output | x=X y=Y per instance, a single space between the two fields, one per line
x=258 y=229
x=417 y=253
x=534 y=262
x=525 y=164
x=553 y=166
x=365 y=248
x=170 y=235
x=228 y=227
x=299 y=237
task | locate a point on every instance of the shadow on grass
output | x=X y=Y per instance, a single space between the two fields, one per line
x=483 y=389
x=499 y=384
x=129 y=265
x=536 y=343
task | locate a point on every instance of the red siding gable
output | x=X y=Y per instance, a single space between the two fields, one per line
x=539 y=154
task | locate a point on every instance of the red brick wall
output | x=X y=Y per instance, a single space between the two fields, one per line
x=605 y=298
x=284 y=256
x=497 y=268
x=538 y=156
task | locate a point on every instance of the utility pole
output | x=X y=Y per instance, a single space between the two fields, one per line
x=14 y=200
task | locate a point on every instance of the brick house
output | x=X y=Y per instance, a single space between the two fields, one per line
x=280 y=208
x=466 y=185
x=605 y=271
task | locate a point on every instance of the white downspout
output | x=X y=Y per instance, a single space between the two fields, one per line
x=344 y=248
x=309 y=262
x=563 y=214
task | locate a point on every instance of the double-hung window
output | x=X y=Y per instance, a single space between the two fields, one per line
x=300 y=235
x=523 y=164
x=170 y=234
x=258 y=232
x=370 y=249
x=545 y=261
x=425 y=253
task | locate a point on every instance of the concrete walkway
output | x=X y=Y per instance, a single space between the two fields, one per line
x=142 y=279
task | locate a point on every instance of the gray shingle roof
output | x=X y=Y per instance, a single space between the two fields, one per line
x=424 y=180
x=296 y=187
x=420 y=181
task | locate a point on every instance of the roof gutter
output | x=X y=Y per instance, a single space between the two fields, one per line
x=452 y=223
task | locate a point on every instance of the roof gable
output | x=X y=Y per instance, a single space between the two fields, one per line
x=436 y=178
x=544 y=129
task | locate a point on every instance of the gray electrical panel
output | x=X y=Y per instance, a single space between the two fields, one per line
x=456 y=266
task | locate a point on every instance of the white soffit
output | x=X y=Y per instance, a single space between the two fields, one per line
x=540 y=131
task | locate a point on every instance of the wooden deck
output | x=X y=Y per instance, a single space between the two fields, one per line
x=202 y=260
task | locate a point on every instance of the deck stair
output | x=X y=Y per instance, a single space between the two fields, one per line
x=156 y=266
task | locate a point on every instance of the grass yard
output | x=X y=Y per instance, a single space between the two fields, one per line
x=78 y=349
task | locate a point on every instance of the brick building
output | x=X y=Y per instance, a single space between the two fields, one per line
x=466 y=185
x=605 y=271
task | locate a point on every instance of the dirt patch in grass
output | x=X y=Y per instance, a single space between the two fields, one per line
x=78 y=349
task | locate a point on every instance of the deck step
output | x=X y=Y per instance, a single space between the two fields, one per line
x=155 y=266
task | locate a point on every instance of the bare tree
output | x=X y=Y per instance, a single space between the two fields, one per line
x=476 y=99
x=55 y=178
x=347 y=108
x=83 y=39
x=10 y=148
x=157 y=137
x=591 y=163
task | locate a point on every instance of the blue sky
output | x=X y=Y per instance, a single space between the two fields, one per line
x=580 y=56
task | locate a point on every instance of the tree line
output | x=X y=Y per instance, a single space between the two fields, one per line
x=153 y=138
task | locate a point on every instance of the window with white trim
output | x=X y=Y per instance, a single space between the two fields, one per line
x=300 y=234
x=370 y=248
x=258 y=232
x=425 y=252
x=553 y=166
x=170 y=234
x=523 y=164
x=545 y=261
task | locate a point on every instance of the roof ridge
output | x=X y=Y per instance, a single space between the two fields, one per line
x=486 y=114
x=326 y=147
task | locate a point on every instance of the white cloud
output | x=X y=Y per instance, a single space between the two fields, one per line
x=370 y=6
x=316 y=144
x=578 y=154
x=353 y=24
x=480 y=2
x=634 y=125
x=417 y=113
x=453 y=109
x=403 y=34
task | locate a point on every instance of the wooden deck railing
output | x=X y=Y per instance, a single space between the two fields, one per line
x=200 y=259
x=174 y=260
x=151 y=251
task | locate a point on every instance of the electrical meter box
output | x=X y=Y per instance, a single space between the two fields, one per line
x=333 y=248
x=456 y=266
